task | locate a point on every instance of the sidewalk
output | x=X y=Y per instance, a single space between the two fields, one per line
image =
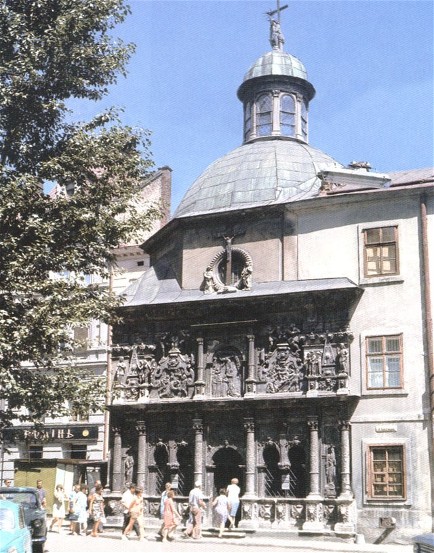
x=270 y=541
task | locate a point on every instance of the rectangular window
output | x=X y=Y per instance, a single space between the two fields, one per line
x=381 y=251
x=384 y=361
x=36 y=452
x=78 y=451
x=386 y=472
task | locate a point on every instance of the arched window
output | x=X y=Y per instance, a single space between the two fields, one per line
x=273 y=476
x=264 y=109
x=247 y=121
x=287 y=115
x=304 y=120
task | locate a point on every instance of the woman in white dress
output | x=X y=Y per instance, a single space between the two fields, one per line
x=58 y=508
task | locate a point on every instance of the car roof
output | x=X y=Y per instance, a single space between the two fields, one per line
x=5 y=504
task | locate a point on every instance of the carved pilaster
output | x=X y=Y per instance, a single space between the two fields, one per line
x=251 y=377
x=314 y=458
x=346 y=491
x=142 y=449
x=200 y=382
x=117 y=459
x=198 y=448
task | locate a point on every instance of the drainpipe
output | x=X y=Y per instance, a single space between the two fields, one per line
x=428 y=319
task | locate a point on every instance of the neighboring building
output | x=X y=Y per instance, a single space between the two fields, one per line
x=282 y=334
x=74 y=438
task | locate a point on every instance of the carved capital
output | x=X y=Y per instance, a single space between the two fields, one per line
x=249 y=425
x=198 y=426
x=312 y=423
x=141 y=427
x=116 y=430
x=345 y=425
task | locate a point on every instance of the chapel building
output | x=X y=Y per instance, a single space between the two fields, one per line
x=282 y=333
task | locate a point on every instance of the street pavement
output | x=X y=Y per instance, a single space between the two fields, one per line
x=110 y=542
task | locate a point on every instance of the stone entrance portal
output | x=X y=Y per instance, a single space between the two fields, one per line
x=228 y=464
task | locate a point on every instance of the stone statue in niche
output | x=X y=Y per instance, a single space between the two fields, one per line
x=282 y=370
x=226 y=375
x=173 y=375
x=342 y=359
x=128 y=468
x=121 y=368
x=313 y=363
x=330 y=471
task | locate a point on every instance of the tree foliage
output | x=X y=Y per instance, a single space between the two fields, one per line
x=52 y=51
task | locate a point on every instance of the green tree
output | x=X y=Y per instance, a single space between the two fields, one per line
x=52 y=51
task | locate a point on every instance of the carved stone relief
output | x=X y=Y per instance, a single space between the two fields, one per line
x=226 y=372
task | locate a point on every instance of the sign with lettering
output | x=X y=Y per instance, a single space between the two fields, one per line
x=51 y=434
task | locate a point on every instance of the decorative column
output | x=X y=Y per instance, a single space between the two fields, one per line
x=314 y=508
x=251 y=379
x=200 y=382
x=346 y=504
x=346 y=491
x=314 y=459
x=249 y=427
x=249 y=506
x=117 y=459
x=198 y=449
x=142 y=449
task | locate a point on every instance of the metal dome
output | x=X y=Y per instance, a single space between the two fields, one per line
x=264 y=172
x=276 y=62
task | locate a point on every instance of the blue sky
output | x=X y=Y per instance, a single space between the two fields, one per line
x=370 y=61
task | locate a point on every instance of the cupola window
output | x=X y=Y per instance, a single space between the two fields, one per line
x=264 y=109
x=304 y=120
x=247 y=121
x=287 y=115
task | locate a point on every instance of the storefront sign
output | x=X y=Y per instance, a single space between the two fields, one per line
x=51 y=434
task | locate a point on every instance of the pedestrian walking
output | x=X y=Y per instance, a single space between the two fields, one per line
x=126 y=499
x=196 y=504
x=72 y=517
x=171 y=518
x=96 y=510
x=41 y=493
x=222 y=507
x=80 y=510
x=233 y=494
x=136 y=515
x=59 y=511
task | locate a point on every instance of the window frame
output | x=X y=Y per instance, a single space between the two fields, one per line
x=259 y=126
x=380 y=243
x=370 y=472
x=383 y=354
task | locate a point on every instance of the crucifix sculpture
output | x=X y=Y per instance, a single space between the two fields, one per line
x=276 y=36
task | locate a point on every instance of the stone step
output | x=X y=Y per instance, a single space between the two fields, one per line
x=213 y=533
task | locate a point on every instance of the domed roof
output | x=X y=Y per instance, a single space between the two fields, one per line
x=276 y=62
x=264 y=172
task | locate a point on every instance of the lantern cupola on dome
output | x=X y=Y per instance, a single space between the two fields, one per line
x=276 y=92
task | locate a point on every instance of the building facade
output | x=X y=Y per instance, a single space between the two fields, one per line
x=282 y=334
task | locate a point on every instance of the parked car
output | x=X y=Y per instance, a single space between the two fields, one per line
x=34 y=514
x=424 y=543
x=14 y=534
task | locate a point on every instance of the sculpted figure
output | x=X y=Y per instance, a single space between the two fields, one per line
x=246 y=277
x=209 y=284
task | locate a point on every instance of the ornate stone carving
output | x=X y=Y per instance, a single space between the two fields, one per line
x=218 y=274
x=174 y=375
x=265 y=511
x=226 y=374
x=281 y=370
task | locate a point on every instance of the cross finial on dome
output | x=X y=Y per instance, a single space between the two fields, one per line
x=277 y=39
